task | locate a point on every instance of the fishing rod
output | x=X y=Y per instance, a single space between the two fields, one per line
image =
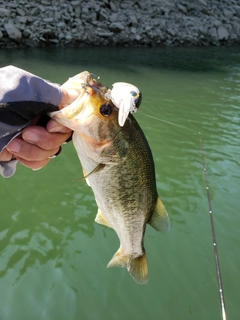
x=220 y=286
x=219 y=278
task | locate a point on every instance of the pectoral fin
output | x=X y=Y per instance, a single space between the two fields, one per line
x=160 y=220
x=97 y=169
x=85 y=177
x=101 y=220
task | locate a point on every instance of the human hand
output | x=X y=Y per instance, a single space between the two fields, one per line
x=36 y=145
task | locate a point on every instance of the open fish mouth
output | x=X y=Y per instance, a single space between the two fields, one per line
x=97 y=86
x=124 y=96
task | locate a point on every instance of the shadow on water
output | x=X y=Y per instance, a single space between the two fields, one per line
x=128 y=59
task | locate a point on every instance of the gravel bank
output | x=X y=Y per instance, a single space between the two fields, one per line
x=79 y=23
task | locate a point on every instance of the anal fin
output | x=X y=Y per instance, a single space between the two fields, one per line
x=160 y=220
x=101 y=219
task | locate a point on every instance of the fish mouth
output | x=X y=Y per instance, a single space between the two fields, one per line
x=91 y=90
x=92 y=83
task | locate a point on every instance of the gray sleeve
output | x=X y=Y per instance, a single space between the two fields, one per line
x=19 y=85
x=28 y=95
x=7 y=169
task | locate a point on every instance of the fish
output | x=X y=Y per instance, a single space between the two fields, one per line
x=118 y=165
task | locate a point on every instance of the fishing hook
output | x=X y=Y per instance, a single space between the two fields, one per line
x=92 y=75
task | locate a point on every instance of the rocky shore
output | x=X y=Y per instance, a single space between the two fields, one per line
x=78 y=23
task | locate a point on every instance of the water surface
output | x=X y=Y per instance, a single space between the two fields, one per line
x=53 y=256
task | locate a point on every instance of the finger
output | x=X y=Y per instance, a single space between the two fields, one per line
x=42 y=138
x=5 y=155
x=54 y=126
x=28 y=151
x=34 y=165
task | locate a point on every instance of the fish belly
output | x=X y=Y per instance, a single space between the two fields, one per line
x=123 y=196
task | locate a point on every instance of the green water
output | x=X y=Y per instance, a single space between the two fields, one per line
x=53 y=256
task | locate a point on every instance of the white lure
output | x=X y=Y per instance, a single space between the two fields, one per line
x=127 y=98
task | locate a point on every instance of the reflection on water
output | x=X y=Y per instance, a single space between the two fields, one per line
x=53 y=256
x=37 y=233
x=25 y=248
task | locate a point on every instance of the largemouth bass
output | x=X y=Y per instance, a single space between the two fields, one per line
x=118 y=165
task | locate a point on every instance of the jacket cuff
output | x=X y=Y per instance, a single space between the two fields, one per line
x=7 y=169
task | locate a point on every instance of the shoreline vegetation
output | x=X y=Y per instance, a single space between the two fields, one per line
x=83 y=23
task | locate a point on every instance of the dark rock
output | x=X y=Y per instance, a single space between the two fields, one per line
x=76 y=4
x=20 y=19
x=26 y=33
x=133 y=21
x=102 y=16
x=13 y=32
x=105 y=34
x=182 y=8
x=20 y=12
x=48 y=20
x=217 y=23
x=213 y=33
x=35 y=11
x=4 y=12
x=113 y=7
x=236 y=27
x=172 y=31
x=222 y=33
x=116 y=27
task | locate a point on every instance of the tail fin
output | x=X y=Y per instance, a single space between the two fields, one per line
x=137 y=267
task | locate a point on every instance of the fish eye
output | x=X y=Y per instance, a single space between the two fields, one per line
x=106 y=109
x=133 y=93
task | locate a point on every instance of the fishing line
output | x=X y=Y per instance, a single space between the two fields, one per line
x=171 y=123
x=219 y=278
x=217 y=264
